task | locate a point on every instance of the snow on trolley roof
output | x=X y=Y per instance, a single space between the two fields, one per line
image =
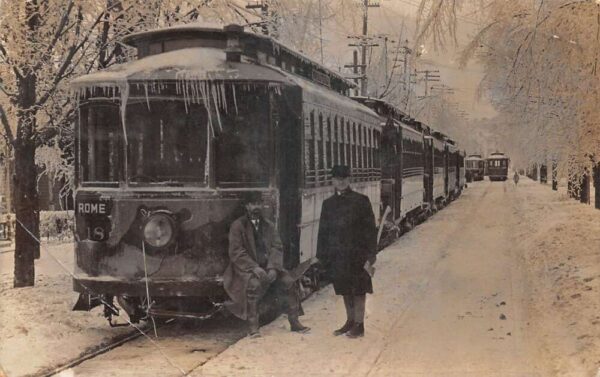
x=251 y=44
x=190 y=63
x=474 y=157
x=385 y=108
x=498 y=155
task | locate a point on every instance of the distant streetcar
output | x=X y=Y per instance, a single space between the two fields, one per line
x=497 y=166
x=475 y=167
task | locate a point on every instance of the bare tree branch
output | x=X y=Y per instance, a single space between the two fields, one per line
x=59 y=30
x=8 y=60
x=67 y=62
x=7 y=130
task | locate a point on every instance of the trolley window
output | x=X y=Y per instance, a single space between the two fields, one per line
x=100 y=143
x=336 y=142
x=243 y=147
x=167 y=142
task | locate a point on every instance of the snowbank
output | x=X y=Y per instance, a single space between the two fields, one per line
x=38 y=330
x=560 y=236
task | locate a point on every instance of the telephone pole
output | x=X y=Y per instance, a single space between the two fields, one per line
x=321 y=31
x=263 y=5
x=364 y=42
x=430 y=76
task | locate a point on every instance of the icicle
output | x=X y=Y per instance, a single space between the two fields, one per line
x=124 y=99
x=207 y=159
x=146 y=92
x=235 y=99
x=218 y=115
x=185 y=95
x=223 y=96
x=195 y=90
x=204 y=91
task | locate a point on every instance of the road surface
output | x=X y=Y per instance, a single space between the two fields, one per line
x=451 y=299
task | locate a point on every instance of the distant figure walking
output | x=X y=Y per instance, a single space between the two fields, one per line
x=516 y=178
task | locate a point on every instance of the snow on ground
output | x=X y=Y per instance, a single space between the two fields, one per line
x=559 y=238
x=38 y=330
x=448 y=302
x=502 y=282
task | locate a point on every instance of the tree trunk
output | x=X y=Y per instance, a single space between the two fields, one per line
x=570 y=182
x=584 y=190
x=26 y=208
x=554 y=176
x=596 y=178
x=27 y=248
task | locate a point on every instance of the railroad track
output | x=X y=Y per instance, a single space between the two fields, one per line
x=96 y=351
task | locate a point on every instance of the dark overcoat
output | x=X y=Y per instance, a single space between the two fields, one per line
x=242 y=260
x=347 y=239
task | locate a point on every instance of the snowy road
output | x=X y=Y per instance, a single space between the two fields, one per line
x=449 y=301
x=502 y=282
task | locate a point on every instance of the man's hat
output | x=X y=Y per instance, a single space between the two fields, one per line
x=340 y=171
x=252 y=197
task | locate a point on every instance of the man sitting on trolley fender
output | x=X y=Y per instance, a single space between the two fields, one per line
x=347 y=247
x=256 y=262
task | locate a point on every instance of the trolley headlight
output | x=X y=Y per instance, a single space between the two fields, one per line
x=159 y=230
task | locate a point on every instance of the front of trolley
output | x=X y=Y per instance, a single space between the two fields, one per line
x=167 y=145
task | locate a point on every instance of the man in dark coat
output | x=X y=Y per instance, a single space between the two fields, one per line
x=347 y=247
x=256 y=262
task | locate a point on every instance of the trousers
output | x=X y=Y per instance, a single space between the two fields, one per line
x=285 y=289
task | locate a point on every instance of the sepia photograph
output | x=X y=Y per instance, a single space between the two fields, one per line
x=282 y=188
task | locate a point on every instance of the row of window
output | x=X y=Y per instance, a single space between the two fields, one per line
x=497 y=163
x=469 y=164
x=332 y=140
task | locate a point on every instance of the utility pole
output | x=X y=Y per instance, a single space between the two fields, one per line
x=364 y=42
x=321 y=31
x=367 y=5
x=263 y=5
x=430 y=76
x=388 y=74
x=406 y=51
x=354 y=67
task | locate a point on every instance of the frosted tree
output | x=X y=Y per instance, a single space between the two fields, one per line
x=42 y=44
x=541 y=72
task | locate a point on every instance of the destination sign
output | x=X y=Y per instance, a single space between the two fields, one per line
x=92 y=208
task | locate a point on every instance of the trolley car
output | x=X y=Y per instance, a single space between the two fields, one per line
x=497 y=166
x=168 y=144
x=475 y=167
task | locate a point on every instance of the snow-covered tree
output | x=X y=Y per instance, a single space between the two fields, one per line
x=541 y=72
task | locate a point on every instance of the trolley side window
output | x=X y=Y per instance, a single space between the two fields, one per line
x=321 y=156
x=309 y=150
x=329 y=146
x=100 y=143
x=342 y=160
x=377 y=143
x=336 y=142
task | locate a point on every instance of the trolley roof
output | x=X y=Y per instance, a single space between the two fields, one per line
x=474 y=157
x=201 y=52
x=386 y=109
x=497 y=156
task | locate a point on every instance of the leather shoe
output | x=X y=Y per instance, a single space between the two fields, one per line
x=296 y=326
x=358 y=330
x=344 y=329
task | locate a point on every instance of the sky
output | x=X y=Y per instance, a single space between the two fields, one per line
x=398 y=18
